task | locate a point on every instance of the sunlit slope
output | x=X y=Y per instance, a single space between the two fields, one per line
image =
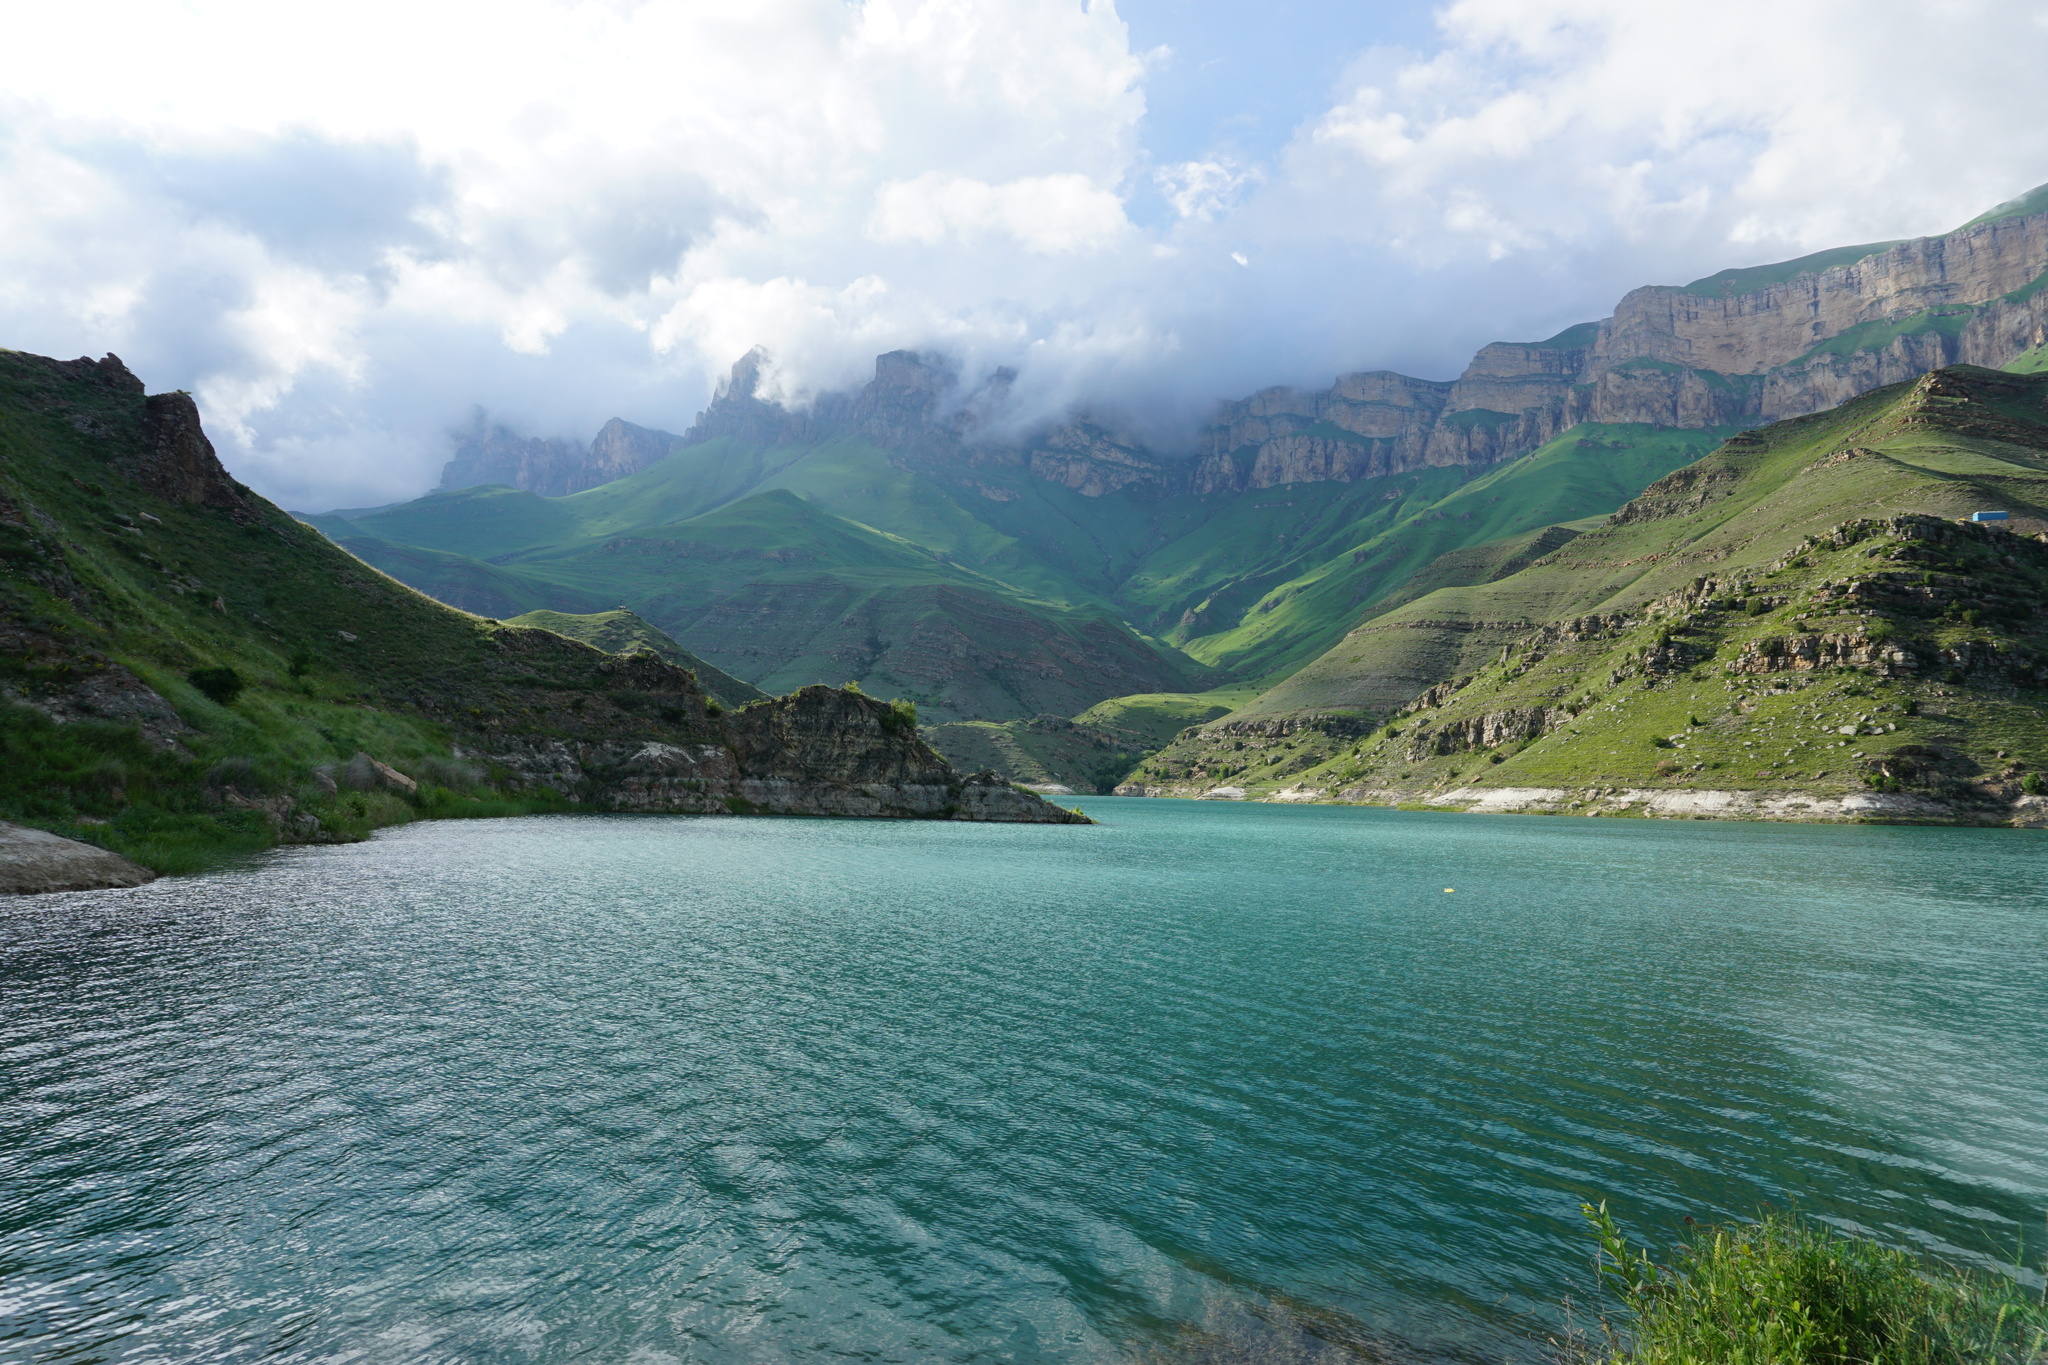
x=1741 y=506
x=1588 y=470
x=1256 y=583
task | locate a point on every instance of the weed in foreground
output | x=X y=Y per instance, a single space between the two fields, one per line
x=1783 y=1291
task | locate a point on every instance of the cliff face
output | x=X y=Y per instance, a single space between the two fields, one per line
x=1715 y=353
x=553 y=467
x=1741 y=347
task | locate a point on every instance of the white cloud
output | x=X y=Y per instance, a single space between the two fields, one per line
x=1047 y=214
x=342 y=228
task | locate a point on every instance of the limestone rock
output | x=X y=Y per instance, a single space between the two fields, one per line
x=33 y=861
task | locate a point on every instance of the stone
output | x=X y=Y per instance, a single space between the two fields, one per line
x=33 y=861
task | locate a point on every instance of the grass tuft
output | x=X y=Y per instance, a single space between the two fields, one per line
x=1783 y=1291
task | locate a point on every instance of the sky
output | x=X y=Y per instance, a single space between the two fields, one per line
x=345 y=228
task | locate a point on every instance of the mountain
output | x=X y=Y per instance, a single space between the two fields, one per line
x=1798 y=625
x=490 y=454
x=1299 y=515
x=184 y=669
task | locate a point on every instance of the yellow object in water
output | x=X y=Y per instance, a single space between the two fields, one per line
x=1449 y=889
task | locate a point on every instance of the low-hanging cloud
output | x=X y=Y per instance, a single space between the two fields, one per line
x=345 y=231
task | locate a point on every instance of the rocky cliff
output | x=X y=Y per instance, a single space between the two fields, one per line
x=1743 y=346
x=491 y=454
x=1803 y=625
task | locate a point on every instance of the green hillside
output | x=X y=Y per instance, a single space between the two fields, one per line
x=981 y=593
x=1091 y=752
x=188 y=671
x=1798 y=615
x=619 y=631
x=1588 y=470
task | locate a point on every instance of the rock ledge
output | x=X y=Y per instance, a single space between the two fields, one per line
x=33 y=861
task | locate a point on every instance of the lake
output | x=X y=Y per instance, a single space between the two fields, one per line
x=1206 y=1081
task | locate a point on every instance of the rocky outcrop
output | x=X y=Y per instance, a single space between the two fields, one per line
x=818 y=751
x=492 y=454
x=1511 y=726
x=68 y=682
x=177 y=463
x=34 y=862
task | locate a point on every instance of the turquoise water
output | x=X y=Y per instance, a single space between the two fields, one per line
x=1201 y=1081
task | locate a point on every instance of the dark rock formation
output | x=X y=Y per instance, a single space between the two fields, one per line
x=177 y=462
x=818 y=751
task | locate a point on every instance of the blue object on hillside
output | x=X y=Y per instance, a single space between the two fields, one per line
x=1989 y=516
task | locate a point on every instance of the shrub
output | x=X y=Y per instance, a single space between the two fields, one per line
x=301 y=664
x=712 y=708
x=221 y=685
x=901 y=715
x=2033 y=784
x=1784 y=1291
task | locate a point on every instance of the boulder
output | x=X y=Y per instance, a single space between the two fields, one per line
x=33 y=861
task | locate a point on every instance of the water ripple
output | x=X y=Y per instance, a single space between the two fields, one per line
x=1197 y=1081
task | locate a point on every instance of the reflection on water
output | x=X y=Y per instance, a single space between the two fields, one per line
x=649 y=1089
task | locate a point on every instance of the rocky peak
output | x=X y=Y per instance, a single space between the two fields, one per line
x=620 y=448
x=177 y=462
x=489 y=453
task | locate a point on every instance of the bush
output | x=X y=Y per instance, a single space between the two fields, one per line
x=1783 y=1291
x=221 y=685
x=2033 y=784
x=901 y=715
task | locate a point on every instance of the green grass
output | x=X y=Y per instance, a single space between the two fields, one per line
x=1749 y=279
x=1589 y=470
x=2033 y=201
x=2030 y=362
x=1785 y=1291
x=1159 y=716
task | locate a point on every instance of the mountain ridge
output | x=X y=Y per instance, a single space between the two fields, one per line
x=1807 y=578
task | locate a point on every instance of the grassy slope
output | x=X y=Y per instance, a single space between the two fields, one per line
x=1284 y=559
x=1748 y=516
x=1090 y=752
x=1587 y=470
x=336 y=659
x=619 y=631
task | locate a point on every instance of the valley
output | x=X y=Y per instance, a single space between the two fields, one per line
x=1323 y=560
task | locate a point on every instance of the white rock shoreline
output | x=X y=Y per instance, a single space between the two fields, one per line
x=2027 y=812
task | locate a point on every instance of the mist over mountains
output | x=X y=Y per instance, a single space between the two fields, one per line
x=585 y=211
x=899 y=535
x=1737 y=347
